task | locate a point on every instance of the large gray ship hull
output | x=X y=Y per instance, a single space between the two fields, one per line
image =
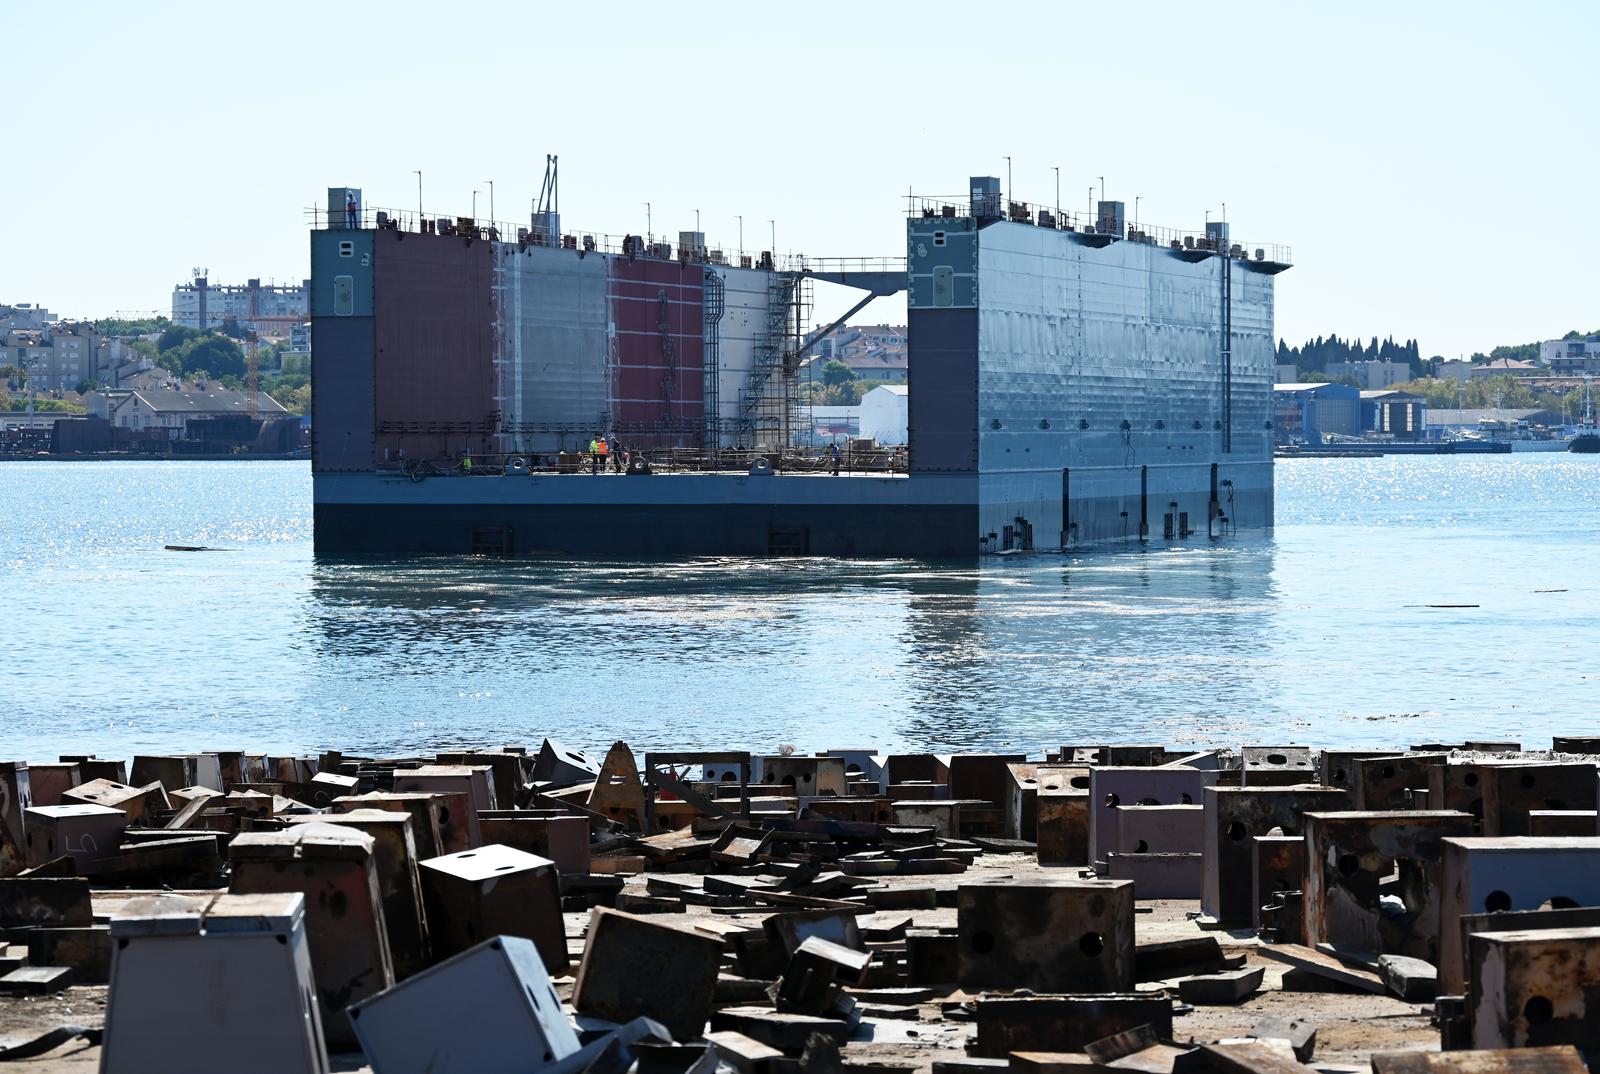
x=921 y=517
x=646 y=516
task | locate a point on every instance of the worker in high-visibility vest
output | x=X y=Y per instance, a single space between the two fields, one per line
x=597 y=455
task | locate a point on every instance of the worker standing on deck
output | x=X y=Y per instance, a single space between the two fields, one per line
x=616 y=455
x=833 y=449
x=600 y=451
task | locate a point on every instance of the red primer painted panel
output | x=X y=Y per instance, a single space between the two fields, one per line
x=435 y=377
x=658 y=381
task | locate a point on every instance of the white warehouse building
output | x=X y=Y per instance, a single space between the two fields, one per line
x=883 y=414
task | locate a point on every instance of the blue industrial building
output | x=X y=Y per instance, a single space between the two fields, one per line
x=1306 y=413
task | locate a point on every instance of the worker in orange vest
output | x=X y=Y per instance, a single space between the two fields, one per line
x=597 y=456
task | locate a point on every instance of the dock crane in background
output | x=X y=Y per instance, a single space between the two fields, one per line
x=545 y=226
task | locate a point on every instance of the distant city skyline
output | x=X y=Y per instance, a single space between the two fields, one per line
x=1429 y=164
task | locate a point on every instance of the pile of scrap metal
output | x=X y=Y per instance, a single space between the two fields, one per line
x=539 y=911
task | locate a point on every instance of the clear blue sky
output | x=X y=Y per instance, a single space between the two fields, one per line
x=1433 y=165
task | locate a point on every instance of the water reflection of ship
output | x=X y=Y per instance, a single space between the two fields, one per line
x=1115 y=647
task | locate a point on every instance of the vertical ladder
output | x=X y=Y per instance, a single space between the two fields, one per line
x=1227 y=350
x=714 y=302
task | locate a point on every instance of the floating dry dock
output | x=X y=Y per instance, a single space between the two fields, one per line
x=1266 y=910
x=1072 y=379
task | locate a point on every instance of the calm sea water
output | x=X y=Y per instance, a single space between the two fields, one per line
x=1333 y=631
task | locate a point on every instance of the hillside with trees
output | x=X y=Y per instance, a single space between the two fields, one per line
x=1317 y=354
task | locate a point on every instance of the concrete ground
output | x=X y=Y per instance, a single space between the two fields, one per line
x=1349 y=1027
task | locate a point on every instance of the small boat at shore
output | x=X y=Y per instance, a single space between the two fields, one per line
x=1587 y=443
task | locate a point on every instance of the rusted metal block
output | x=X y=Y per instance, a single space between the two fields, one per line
x=1338 y=768
x=133 y=802
x=1385 y=782
x=918 y=768
x=1460 y=785
x=395 y=854
x=85 y=833
x=1278 y=863
x=1063 y=1023
x=816 y=972
x=93 y=768
x=1409 y=979
x=1110 y=788
x=981 y=776
x=334 y=868
x=1277 y=766
x=86 y=950
x=1514 y=789
x=231 y=766
x=15 y=798
x=944 y=817
x=744 y=1054
x=1160 y=829
x=1133 y=755
x=789 y=930
x=1221 y=989
x=1350 y=854
x=248 y=803
x=494 y=891
x=172 y=955
x=1488 y=874
x=627 y=961
x=561 y=766
x=1162 y=960
x=474 y=780
x=1323 y=965
x=1560 y=1060
x=1240 y=1057
x=932 y=957
x=430 y=815
x=1063 y=823
x=1160 y=876
x=1063 y=936
x=740 y=845
x=1020 y=807
x=490 y=1008
x=1576 y=917
x=1300 y=1036
x=326 y=786
x=1562 y=822
x=917 y=792
x=1233 y=817
x=1575 y=744
x=1534 y=989
x=171 y=772
x=561 y=837
x=506 y=772
x=861 y=765
x=860 y=810
x=48 y=782
x=36 y=981
x=189 y=859
x=45 y=902
x=805 y=775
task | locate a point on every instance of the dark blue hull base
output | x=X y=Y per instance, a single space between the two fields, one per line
x=648 y=531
